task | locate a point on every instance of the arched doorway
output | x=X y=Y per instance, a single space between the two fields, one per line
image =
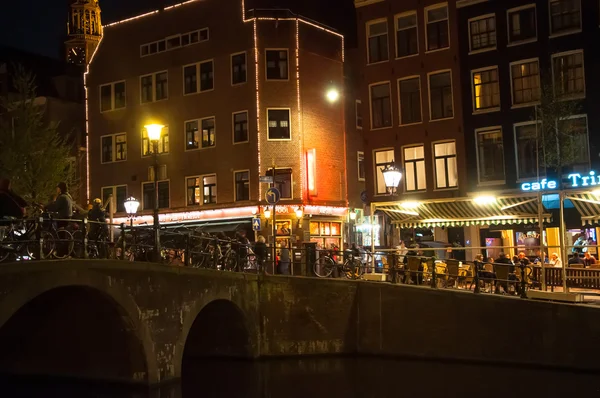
x=72 y=331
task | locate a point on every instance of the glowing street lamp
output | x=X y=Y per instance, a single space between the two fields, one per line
x=267 y=213
x=131 y=207
x=154 y=133
x=392 y=177
x=332 y=95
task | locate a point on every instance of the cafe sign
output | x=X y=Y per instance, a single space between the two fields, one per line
x=574 y=180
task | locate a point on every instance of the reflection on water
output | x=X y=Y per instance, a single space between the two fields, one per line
x=333 y=377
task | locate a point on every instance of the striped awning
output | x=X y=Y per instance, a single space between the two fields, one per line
x=587 y=205
x=463 y=211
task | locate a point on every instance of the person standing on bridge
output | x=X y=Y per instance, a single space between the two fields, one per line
x=260 y=250
x=284 y=259
x=11 y=204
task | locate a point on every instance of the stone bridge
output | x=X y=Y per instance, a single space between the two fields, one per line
x=139 y=322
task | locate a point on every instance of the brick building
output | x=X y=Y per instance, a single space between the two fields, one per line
x=237 y=97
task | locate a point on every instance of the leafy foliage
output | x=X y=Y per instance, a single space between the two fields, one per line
x=32 y=152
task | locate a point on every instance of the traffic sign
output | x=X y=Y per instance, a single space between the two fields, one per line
x=273 y=196
x=256 y=224
x=266 y=179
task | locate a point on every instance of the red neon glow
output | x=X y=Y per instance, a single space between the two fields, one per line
x=311 y=166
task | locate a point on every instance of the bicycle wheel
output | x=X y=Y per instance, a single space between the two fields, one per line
x=353 y=269
x=33 y=247
x=78 y=249
x=63 y=244
x=323 y=267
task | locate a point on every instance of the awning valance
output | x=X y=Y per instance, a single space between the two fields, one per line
x=463 y=211
x=587 y=205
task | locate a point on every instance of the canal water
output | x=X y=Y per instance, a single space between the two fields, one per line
x=333 y=377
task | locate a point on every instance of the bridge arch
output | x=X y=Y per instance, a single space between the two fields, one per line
x=75 y=323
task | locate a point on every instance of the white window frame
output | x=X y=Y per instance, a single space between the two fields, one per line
x=161 y=137
x=387 y=32
x=248 y=126
x=487 y=110
x=483 y=130
x=566 y=32
x=400 y=99
x=429 y=74
x=396 y=17
x=482 y=50
x=114 y=194
x=198 y=77
x=152 y=182
x=112 y=96
x=287 y=50
x=290 y=127
x=235 y=199
x=153 y=74
x=375 y=180
x=200 y=130
x=515 y=9
x=433 y=7
x=231 y=68
x=358 y=161
x=389 y=83
x=515 y=126
x=114 y=147
x=563 y=54
x=185 y=181
x=403 y=148
x=357 y=105
x=512 y=95
x=433 y=158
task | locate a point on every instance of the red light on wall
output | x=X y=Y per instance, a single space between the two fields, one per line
x=311 y=167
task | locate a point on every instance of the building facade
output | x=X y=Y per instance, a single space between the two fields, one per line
x=239 y=100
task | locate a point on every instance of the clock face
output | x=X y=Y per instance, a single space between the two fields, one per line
x=76 y=55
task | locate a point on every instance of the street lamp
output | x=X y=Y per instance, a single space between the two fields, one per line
x=131 y=207
x=332 y=95
x=391 y=176
x=267 y=212
x=299 y=214
x=154 y=133
x=352 y=214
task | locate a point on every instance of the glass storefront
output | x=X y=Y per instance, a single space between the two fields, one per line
x=326 y=234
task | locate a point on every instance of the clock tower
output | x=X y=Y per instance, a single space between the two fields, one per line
x=84 y=30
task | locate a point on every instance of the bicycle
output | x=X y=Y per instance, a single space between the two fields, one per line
x=325 y=265
x=19 y=238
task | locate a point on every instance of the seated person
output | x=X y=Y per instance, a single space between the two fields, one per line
x=575 y=261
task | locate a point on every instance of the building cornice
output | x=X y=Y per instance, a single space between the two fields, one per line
x=466 y=3
x=363 y=3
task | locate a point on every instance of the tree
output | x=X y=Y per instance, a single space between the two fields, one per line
x=33 y=155
x=560 y=135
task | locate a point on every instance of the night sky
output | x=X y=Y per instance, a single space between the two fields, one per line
x=39 y=27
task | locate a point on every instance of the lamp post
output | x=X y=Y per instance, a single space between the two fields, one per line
x=392 y=177
x=131 y=207
x=154 y=133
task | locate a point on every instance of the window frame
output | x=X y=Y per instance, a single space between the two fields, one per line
x=235 y=184
x=515 y=146
x=162 y=139
x=199 y=75
x=142 y=205
x=114 y=193
x=426 y=17
x=195 y=65
x=368 y=36
x=114 y=147
x=563 y=54
x=153 y=74
x=201 y=132
x=587 y=132
x=290 y=126
x=475 y=19
x=287 y=50
x=375 y=165
x=510 y=43
x=434 y=158
x=404 y=161
x=491 y=109
x=231 y=68
x=429 y=74
x=185 y=181
x=512 y=93
x=360 y=158
x=112 y=96
x=389 y=83
x=358 y=115
x=396 y=17
x=565 y=32
x=185 y=143
x=247 y=127
x=487 y=130
x=400 y=99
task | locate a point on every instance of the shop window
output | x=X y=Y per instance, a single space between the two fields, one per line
x=414 y=168
x=327 y=234
x=490 y=155
x=377 y=42
x=446 y=169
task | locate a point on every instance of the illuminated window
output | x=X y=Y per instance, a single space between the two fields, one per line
x=438 y=31
x=407 y=35
x=193 y=191
x=112 y=96
x=208 y=132
x=482 y=32
x=381 y=105
x=242 y=185
x=565 y=16
x=522 y=24
x=148 y=195
x=277 y=64
x=240 y=127
x=440 y=96
x=163 y=142
x=192 y=135
x=414 y=168
x=446 y=170
x=525 y=77
x=279 y=124
x=490 y=155
x=238 y=68
x=377 y=45
x=209 y=189
x=382 y=159
x=114 y=148
x=486 y=89
x=569 y=78
x=410 y=100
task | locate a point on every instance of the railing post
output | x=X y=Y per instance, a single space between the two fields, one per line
x=84 y=231
x=476 y=276
x=523 y=280
x=187 y=254
x=433 y=274
x=123 y=239
x=38 y=235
